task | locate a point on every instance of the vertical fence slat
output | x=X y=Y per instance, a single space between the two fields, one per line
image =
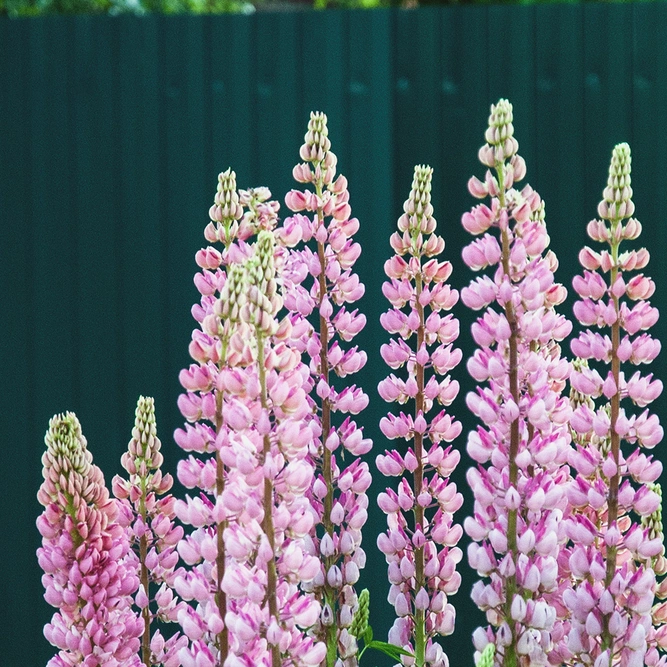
x=232 y=79
x=278 y=128
x=95 y=228
x=416 y=98
x=186 y=189
x=322 y=83
x=649 y=166
x=465 y=109
x=608 y=92
x=20 y=467
x=54 y=252
x=558 y=171
x=511 y=68
x=141 y=260
x=369 y=53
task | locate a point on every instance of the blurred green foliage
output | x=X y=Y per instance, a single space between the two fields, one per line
x=16 y=8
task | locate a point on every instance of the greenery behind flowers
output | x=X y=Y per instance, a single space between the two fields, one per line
x=27 y=8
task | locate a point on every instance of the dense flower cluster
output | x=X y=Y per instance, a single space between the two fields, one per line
x=152 y=533
x=420 y=544
x=338 y=495
x=267 y=450
x=216 y=346
x=613 y=582
x=524 y=441
x=248 y=405
x=87 y=575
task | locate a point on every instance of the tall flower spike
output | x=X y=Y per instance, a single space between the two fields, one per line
x=611 y=558
x=267 y=453
x=87 y=575
x=522 y=446
x=152 y=534
x=420 y=544
x=339 y=493
x=219 y=347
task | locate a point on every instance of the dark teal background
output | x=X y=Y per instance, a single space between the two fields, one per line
x=113 y=131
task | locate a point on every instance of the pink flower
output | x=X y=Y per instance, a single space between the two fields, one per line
x=88 y=576
x=619 y=580
x=418 y=603
x=327 y=264
x=522 y=446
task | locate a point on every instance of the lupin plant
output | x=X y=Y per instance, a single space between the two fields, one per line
x=420 y=544
x=524 y=440
x=613 y=579
x=152 y=533
x=268 y=450
x=339 y=492
x=87 y=575
x=216 y=346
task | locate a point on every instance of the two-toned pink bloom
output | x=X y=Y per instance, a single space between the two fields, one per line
x=420 y=543
x=521 y=447
x=88 y=576
x=611 y=558
x=319 y=279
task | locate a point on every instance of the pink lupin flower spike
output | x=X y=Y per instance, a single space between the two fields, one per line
x=217 y=347
x=339 y=493
x=88 y=577
x=420 y=545
x=522 y=447
x=152 y=534
x=269 y=453
x=613 y=581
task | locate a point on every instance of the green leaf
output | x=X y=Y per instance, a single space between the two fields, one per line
x=391 y=650
x=368 y=635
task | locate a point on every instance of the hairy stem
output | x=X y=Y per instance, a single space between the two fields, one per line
x=612 y=498
x=220 y=596
x=330 y=597
x=510 y=657
x=145 y=612
x=267 y=521
x=420 y=614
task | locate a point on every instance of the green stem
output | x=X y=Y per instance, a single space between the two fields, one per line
x=510 y=656
x=330 y=594
x=267 y=521
x=420 y=581
x=614 y=482
x=143 y=553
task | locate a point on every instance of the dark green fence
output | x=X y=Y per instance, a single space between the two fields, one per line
x=112 y=133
